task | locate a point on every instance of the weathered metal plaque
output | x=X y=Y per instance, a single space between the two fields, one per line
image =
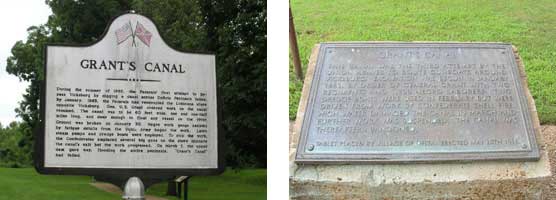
x=398 y=102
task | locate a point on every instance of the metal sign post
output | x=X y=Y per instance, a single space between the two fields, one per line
x=295 y=50
x=182 y=182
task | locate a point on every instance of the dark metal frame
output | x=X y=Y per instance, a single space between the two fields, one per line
x=128 y=172
x=303 y=157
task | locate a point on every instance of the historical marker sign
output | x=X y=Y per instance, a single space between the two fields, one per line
x=129 y=103
x=387 y=102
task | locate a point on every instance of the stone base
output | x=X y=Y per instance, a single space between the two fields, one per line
x=475 y=180
x=469 y=180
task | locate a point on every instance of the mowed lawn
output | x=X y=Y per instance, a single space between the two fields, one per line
x=529 y=25
x=25 y=183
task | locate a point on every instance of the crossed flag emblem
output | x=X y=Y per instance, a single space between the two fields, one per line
x=126 y=31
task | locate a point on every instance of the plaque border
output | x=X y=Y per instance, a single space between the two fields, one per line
x=39 y=132
x=530 y=153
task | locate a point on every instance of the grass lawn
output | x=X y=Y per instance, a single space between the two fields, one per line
x=27 y=184
x=246 y=184
x=529 y=25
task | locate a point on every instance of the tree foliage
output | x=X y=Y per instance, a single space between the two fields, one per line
x=241 y=53
x=235 y=30
x=11 y=153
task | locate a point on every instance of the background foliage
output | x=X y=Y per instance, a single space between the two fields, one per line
x=11 y=153
x=235 y=30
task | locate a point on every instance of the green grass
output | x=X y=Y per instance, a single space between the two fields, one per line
x=528 y=25
x=244 y=184
x=27 y=184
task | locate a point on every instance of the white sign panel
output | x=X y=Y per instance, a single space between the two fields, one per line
x=129 y=101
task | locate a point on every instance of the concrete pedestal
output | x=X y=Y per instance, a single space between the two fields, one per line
x=470 y=180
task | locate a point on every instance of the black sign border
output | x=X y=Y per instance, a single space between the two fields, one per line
x=532 y=153
x=39 y=132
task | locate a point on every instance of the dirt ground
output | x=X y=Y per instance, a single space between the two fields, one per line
x=549 y=136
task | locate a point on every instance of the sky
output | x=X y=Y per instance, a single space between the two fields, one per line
x=15 y=17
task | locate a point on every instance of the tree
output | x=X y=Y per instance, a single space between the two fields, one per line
x=241 y=49
x=11 y=154
x=70 y=22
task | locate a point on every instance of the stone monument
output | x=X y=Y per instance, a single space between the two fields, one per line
x=389 y=120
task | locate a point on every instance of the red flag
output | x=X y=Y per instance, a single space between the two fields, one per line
x=142 y=33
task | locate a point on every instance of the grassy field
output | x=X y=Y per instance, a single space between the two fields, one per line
x=245 y=184
x=25 y=183
x=529 y=25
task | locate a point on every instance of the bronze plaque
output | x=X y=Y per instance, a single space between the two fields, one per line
x=400 y=102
